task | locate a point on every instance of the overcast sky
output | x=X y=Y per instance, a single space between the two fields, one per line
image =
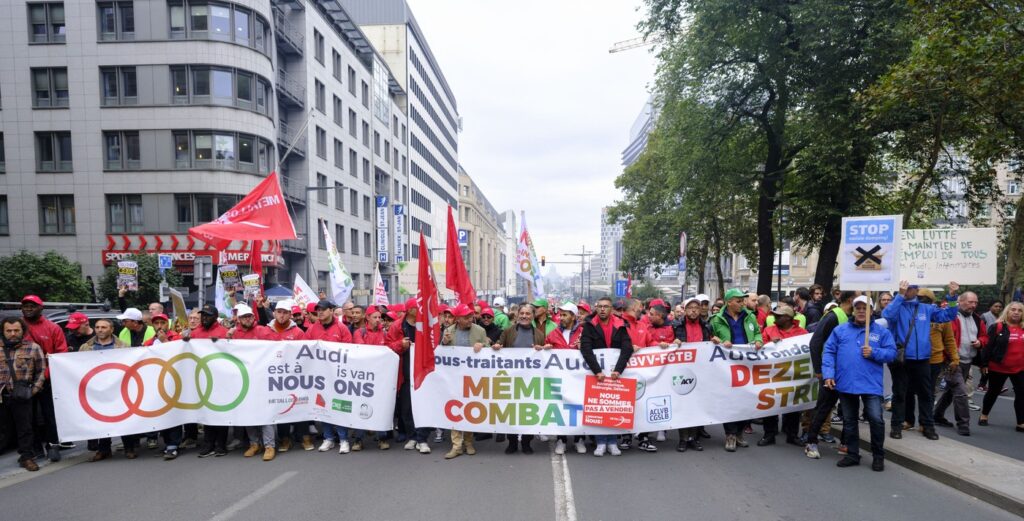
x=546 y=109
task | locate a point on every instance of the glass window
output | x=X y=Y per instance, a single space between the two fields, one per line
x=41 y=87
x=115 y=213
x=245 y=150
x=57 y=22
x=264 y=157
x=127 y=11
x=5 y=224
x=181 y=150
x=56 y=215
x=177 y=21
x=64 y=149
x=133 y=150
x=108 y=21
x=46 y=23
x=201 y=85
x=37 y=21
x=108 y=80
x=244 y=87
x=261 y=97
x=225 y=148
x=220 y=22
x=179 y=83
x=113 y=155
x=205 y=208
x=183 y=212
x=44 y=147
x=199 y=20
x=222 y=88
x=60 y=86
x=128 y=84
x=259 y=34
x=242 y=26
x=204 y=146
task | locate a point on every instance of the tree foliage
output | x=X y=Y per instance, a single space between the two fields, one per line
x=50 y=275
x=149 y=282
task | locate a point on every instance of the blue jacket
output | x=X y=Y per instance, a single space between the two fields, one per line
x=900 y=312
x=843 y=362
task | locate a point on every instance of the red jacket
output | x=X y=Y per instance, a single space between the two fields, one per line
x=292 y=332
x=217 y=331
x=49 y=336
x=171 y=336
x=336 y=332
x=557 y=338
x=770 y=334
x=654 y=336
x=637 y=330
x=365 y=335
x=257 y=332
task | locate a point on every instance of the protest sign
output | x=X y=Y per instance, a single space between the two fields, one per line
x=938 y=256
x=98 y=394
x=251 y=283
x=524 y=391
x=230 y=278
x=609 y=403
x=128 y=275
x=869 y=258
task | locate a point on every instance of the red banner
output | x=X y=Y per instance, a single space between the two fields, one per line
x=609 y=403
x=456 y=276
x=260 y=216
x=428 y=322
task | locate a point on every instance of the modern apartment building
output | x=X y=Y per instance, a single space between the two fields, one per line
x=125 y=123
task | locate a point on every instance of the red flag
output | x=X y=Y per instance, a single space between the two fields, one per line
x=456 y=276
x=256 y=261
x=261 y=215
x=629 y=286
x=428 y=325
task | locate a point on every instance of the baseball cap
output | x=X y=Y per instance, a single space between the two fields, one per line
x=830 y=305
x=926 y=293
x=691 y=300
x=325 y=304
x=397 y=307
x=410 y=303
x=619 y=305
x=286 y=305
x=481 y=303
x=487 y=312
x=160 y=316
x=76 y=320
x=208 y=309
x=583 y=306
x=784 y=309
x=444 y=308
x=658 y=302
x=863 y=299
x=500 y=301
x=570 y=307
x=243 y=309
x=541 y=303
x=296 y=310
x=131 y=314
x=392 y=315
x=311 y=307
x=33 y=299
x=703 y=298
x=462 y=310
x=735 y=293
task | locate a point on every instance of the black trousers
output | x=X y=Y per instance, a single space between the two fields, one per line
x=216 y=438
x=790 y=425
x=45 y=419
x=827 y=399
x=913 y=377
x=406 y=423
x=996 y=382
x=130 y=442
x=19 y=414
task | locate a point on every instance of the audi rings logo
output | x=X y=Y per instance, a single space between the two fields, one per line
x=172 y=400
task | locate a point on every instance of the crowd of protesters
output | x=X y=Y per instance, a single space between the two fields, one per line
x=929 y=345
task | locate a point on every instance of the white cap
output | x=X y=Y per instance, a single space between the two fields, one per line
x=570 y=307
x=285 y=304
x=243 y=309
x=703 y=298
x=131 y=314
x=830 y=305
x=689 y=300
x=863 y=299
x=499 y=301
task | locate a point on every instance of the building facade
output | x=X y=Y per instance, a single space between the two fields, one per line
x=482 y=239
x=515 y=285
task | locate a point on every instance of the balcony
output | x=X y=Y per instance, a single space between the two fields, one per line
x=286 y=135
x=289 y=38
x=291 y=91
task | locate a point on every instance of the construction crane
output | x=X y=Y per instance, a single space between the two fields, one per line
x=634 y=43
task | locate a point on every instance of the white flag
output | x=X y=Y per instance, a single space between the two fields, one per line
x=222 y=300
x=526 y=259
x=380 y=293
x=341 y=281
x=303 y=293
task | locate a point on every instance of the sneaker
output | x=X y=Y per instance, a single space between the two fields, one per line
x=749 y=429
x=811 y=451
x=827 y=438
x=847 y=461
x=842 y=449
x=963 y=431
x=837 y=420
x=878 y=464
x=344 y=447
x=423 y=447
x=661 y=436
x=982 y=388
x=647 y=446
x=438 y=436
x=614 y=450
x=682 y=446
x=527 y=449
x=234 y=444
x=896 y=433
x=943 y=422
x=626 y=442
x=53 y=451
x=695 y=445
x=206 y=453
x=730 y=443
x=357 y=445
x=765 y=441
x=307 y=442
x=581 y=447
x=1004 y=390
x=703 y=433
x=542 y=437
x=383 y=445
x=269 y=454
x=170 y=454
x=151 y=444
x=217 y=453
x=410 y=445
x=931 y=434
x=189 y=443
x=66 y=445
x=254 y=449
x=559 y=447
x=285 y=445
x=740 y=442
x=326 y=446
x=973 y=407
x=600 y=450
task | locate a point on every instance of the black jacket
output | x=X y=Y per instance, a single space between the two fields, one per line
x=812 y=312
x=820 y=336
x=998 y=343
x=593 y=338
x=493 y=331
x=705 y=331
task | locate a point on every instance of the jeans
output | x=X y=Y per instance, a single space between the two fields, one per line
x=266 y=432
x=851 y=434
x=956 y=393
x=827 y=399
x=19 y=414
x=172 y=437
x=605 y=439
x=912 y=378
x=357 y=434
x=334 y=432
x=995 y=385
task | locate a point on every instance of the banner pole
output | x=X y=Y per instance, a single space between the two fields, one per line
x=867 y=320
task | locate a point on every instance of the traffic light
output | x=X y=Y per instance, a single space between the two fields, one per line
x=543 y=261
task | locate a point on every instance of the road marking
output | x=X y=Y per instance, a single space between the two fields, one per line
x=247 y=501
x=565 y=503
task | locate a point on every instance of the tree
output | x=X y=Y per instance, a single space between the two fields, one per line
x=50 y=275
x=647 y=290
x=149 y=282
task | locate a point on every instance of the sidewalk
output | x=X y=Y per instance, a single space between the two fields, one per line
x=990 y=477
x=12 y=473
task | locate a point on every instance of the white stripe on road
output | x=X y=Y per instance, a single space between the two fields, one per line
x=247 y=501
x=565 y=503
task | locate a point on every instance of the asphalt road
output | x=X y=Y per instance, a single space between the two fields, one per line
x=755 y=483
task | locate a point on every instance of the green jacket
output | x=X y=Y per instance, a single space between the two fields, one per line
x=720 y=327
x=549 y=326
x=126 y=335
x=800 y=319
x=501 y=319
x=477 y=335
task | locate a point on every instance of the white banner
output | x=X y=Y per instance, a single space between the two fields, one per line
x=869 y=257
x=303 y=294
x=98 y=394
x=966 y=255
x=541 y=392
x=340 y=281
x=527 y=266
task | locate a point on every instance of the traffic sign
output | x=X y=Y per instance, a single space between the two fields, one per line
x=166 y=261
x=463 y=237
x=382 y=257
x=620 y=287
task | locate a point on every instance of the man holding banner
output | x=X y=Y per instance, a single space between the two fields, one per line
x=734 y=324
x=605 y=331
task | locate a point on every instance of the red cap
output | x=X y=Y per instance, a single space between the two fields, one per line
x=481 y=303
x=462 y=310
x=392 y=315
x=76 y=320
x=444 y=307
x=397 y=307
x=311 y=307
x=159 y=316
x=296 y=310
x=33 y=299
x=487 y=311
x=658 y=302
x=584 y=306
x=411 y=303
